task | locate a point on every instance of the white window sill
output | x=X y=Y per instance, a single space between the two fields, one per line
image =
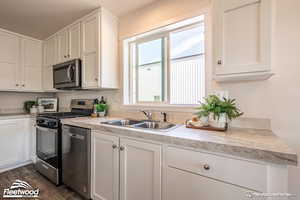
x=161 y=107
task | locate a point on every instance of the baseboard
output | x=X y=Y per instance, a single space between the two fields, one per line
x=15 y=166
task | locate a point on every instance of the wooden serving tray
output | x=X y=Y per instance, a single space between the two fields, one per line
x=207 y=128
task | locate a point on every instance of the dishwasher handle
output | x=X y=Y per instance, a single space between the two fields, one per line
x=75 y=136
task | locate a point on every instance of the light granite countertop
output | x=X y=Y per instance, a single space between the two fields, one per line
x=4 y=116
x=262 y=145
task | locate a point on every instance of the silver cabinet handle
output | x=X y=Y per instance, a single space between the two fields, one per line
x=122 y=148
x=114 y=146
x=206 y=167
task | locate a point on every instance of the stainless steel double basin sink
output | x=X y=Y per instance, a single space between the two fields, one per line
x=143 y=124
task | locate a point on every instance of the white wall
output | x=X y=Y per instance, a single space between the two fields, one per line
x=277 y=98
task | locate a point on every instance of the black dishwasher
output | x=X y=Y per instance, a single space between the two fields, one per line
x=76 y=159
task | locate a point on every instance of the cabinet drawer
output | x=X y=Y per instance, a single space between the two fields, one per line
x=239 y=172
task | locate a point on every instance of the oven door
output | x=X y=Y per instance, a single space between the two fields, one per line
x=47 y=145
x=67 y=75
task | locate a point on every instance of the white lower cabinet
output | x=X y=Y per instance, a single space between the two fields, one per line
x=185 y=185
x=15 y=142
x=139 y=175
x=140 y=170
x=129 y=169
x=105 y=167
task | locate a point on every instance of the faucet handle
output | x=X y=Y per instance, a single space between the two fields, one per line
x=165 y=116
x=148 y=114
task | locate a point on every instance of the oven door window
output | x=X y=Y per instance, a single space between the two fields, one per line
x=47 y=145
x=65 y=74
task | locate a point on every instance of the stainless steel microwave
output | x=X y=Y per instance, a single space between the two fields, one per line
x=67 y=75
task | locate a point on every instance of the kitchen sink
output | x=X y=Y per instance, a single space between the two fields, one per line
x=143 y=124
x=155 y=125
x=122 y=122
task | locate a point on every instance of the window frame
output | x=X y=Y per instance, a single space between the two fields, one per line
x=166 y=61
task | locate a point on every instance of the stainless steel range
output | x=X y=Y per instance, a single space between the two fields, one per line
x=49 y=138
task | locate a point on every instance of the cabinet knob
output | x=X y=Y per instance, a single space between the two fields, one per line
x=65 y=56
x=122 y=148
x=206 y=167
x=96 y=79
x=69 y=56
x=23 y=85
x=114 y=146
x=17 y=85
x=219 y=62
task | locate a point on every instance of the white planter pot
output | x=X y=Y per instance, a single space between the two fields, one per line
x=101 y=114
x=218 y=123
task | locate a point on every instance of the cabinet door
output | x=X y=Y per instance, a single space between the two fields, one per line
x=184 y=185
x=50 y=51
x=14 y=142
x=48 y=78
x=63 y=46
x=74 y=41
x=32 y=65
x=105 y=167
x=242 y=35
x=9 y=61
x=90 y=51
x=140 y=170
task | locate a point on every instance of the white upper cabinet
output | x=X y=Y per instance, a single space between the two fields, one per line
x=50 y=59
x=32 y=65
x=99 y=50
x=242 y=37
x=20 y=63
x=50 y=51
x=9 y=61
x=75 y=41
x=63 y=46
x=69 y=41
x=91 y=51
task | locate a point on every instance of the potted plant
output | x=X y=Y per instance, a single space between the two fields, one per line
x=219 y=110
x=102 y=109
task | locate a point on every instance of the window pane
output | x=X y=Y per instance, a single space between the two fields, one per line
x=149 y=52
x=187 y=66
x=150 y=72
x=188 y=42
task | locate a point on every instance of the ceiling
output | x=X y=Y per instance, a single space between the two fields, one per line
x=41 y=18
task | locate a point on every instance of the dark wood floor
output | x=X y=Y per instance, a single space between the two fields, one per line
x=48 y=191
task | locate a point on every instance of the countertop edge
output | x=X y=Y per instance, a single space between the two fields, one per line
x=238 y=151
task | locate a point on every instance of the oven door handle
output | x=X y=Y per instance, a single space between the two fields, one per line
x=46 y=129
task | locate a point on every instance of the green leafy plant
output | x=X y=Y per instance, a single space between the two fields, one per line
x=101 y=107
x=216 y=106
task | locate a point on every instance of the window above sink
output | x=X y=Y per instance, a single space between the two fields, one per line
x=166 y=67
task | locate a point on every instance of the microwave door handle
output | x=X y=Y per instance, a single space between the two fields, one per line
x=68 y=72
